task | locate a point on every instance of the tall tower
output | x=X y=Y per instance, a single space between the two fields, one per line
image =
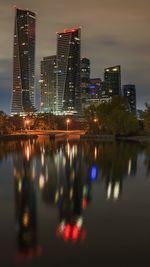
x=85 y=78
x=24 y=62
x=68 y=79
x=129 y=92
x=48 y=84
x=112 y=80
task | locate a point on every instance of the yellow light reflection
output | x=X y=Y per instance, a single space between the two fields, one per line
x=56 y=196
x=116 y=191
x=71 y=193
x=95 y=153
x=33 y=172
x=109 y=190
x=25 y=219
x=42 y=159
x=68 y=149
x=20 y=186
x=41 y=181
x=61 y=191
x=129 y=166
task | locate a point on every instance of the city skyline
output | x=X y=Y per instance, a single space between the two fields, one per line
x=122 y=38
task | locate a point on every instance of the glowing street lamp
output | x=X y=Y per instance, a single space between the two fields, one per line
x=67 y=122
x=95 y=120
x=27 y=122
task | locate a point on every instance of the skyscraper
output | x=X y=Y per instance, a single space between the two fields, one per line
x=112 y=80
x=94 y=88
x=24 y=62
x=129 y=91
x=68 y=80
x=85 y=72
x=48 y=84
x=85 y=78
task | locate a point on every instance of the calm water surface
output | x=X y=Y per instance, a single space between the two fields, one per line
x=74 y=204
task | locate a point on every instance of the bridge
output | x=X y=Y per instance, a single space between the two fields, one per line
x=52 y=134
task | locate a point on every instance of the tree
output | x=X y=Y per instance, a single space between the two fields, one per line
x=147 y=118
x=112 y=118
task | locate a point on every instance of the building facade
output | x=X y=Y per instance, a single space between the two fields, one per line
x=68 y=78
x=48 y=84
x=94 y=88
x=23 y=95
x=85 y=78
x=129 y=91
x=112 y=81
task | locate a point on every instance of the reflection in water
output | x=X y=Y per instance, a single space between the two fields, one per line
x=67 y=187
x=65 y=173
x=25 y=203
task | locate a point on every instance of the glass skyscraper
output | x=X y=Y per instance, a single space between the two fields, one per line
x=48 y=84
x=85 y=78
x=68 y=79
x=23 y=97
x=129 y=92
x=112 y=81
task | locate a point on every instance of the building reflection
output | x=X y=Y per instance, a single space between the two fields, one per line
x=65 y=174
x=116 y=162
x=68 y=187
x=25 y=203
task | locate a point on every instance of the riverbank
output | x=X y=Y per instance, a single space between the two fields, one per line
x=15 y=137
x=111 y=138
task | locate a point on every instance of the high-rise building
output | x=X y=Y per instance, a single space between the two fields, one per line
x=112 y=81
x=94 y=92
x=68 y=80
x=23 y=96
x=85 y=72
x=129 y=91
x=48 y=84
x=85 y=78
x=94 y=88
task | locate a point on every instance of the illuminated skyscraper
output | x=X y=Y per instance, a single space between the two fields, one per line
x=68 y=82
x=48 y=84
x=85 y=78
x=85 y=72
x=112 y=80
x=129 y=91
x=94 y=88
x=23 y=62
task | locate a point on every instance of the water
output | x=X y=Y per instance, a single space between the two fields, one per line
x=74 y=204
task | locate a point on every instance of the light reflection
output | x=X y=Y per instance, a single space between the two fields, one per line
x=67 y=172
x=56 y=196
x=41 y=181
x=109 y=189
x=116 y=190
x=20 y=186
x=42 y=159
x=95 y=153
x=25 y=219
x=129 y=166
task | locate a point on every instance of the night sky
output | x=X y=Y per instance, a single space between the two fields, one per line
x=113 y=32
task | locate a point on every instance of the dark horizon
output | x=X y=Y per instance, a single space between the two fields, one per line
x=112 y=34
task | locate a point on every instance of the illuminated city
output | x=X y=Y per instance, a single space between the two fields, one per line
x=74 y=133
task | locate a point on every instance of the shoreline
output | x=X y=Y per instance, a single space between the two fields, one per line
x=111 y=138
x=16 y=137
x=83 y=137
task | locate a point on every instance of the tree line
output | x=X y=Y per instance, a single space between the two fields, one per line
x=107 y=118
x=115 y=119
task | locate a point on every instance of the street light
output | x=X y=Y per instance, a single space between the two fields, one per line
x=95 y=120
x=27 y=122
x=67 y=122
